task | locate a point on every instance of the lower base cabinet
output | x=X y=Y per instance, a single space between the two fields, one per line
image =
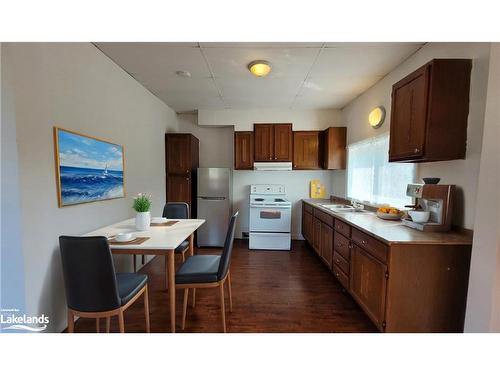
x=368 y=284
x=402 y=287
x=326 y=244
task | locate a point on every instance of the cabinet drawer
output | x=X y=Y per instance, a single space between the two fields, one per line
x=341 y=245
x=340 y=262
x=370 y=244
x=324 y=217
x=308 y=208
x=343 y=228
x=341 y=276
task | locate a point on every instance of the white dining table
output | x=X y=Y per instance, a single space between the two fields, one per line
x=163 y=240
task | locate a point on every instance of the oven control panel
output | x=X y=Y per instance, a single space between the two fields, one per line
x=267 y=189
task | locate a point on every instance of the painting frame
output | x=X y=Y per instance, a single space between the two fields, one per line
x=60 y=200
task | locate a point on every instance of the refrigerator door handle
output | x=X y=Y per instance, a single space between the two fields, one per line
x=213 y=198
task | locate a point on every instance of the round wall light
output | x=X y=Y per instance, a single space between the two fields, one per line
x=376 y=117
x=259 y=68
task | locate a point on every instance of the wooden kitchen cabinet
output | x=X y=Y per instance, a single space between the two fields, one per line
x=316 y=240
x=243 y=150
x=272 y=142
x=307 y=223
x=306 y=152
x=283 y=142
x=179 y=188
x=404 y=286
x=181 y=162
x=429 y=112
x=333 y=148
x=326 y=244
x=368 y=284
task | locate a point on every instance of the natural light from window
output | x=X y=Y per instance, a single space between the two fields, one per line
x=372 y=179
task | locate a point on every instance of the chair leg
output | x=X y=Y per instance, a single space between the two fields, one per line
x=183 y=256
x=121 y=322
x=146 y=309
x=108 y=323
x=143 y=260
x=184 y=308
x=97 y=324
x=222 y=307
x=194 y=297
x=229 y=290
x=71 y=322
x=135 y=262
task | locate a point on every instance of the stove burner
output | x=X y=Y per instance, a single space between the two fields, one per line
x=259 y=199
x=279 y=200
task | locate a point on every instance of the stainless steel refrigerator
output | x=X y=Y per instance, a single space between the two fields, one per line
x=214 y=205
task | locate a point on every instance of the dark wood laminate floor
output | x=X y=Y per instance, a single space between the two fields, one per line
x=273 y=291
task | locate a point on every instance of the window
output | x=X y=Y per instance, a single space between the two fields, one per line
x=370 y=176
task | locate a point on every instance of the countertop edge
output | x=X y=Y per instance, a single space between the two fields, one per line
x=316 y=203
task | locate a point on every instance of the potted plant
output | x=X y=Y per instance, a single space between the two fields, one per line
x=142 y=205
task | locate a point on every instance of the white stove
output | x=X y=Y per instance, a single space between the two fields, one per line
x=270 y=218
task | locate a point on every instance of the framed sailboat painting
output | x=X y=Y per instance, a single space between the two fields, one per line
x=88 y=169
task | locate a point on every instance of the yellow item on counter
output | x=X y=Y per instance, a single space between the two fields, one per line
x=317 y=189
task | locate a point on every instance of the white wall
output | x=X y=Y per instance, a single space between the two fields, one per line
x=463 y=173
x=75 y=86
x=296 y=182
x=11 y=260
x=243 y=119
x=216 y=143
x=483 y=303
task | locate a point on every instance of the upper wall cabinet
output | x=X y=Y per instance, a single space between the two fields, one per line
x=429 y=112
x=333 y=148
x=243 y=150
x=306 y=154
x=273 y=142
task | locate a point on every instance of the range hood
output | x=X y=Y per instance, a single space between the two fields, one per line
x=272 y=166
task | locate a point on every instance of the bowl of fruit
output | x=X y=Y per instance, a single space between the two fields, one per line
x=389 y=213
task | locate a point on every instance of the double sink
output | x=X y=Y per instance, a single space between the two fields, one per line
x=342 y=208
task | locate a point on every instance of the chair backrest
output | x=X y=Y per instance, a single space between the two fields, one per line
x=176 y=210
x=89 y=274
x=225 y=259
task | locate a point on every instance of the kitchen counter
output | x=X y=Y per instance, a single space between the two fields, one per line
x=392 y=232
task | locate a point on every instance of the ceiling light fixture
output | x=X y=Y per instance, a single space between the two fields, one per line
x=183 y=73
x=376 y=117
x=259 y=68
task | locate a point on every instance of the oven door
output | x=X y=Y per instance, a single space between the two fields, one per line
x=270 y=219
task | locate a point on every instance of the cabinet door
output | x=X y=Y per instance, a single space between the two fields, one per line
x=306 y=150
x=178 y=153
x=243 y=150
x=334 y=148
x=307 y=225
x=408 y=118
x=179 y=188
x=263 y=142
x=326 y=243
x=368 y=284
x=316 y=243
x=282 y=142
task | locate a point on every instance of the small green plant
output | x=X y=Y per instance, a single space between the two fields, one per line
x=142 y=203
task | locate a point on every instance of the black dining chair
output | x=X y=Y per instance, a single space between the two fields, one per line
x=208 y=271
x=93 y=288
x=178 y=210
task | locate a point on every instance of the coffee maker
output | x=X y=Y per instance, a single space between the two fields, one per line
x=438 y=200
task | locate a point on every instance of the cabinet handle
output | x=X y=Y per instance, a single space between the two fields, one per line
x=337 y=260
x=363 y=242
x=417 y=150
x=350 y=246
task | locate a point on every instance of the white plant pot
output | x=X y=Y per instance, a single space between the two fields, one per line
x=142 y=220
